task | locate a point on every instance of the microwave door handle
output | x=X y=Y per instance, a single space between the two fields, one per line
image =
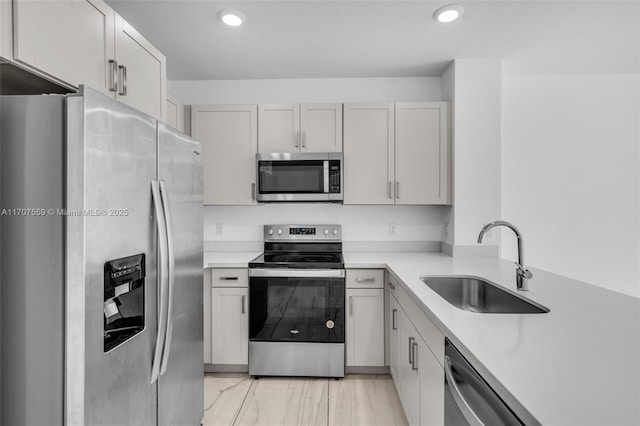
x=325 y=164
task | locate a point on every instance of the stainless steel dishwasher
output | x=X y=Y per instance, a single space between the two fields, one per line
x=468 y=399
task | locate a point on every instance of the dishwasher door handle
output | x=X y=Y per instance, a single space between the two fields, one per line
x=462 y=404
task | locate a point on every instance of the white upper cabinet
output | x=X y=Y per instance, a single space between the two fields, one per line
x=70 y=40
x=175 y=113
x=278 y=128
x=85 y=42
x=397 y=154
x=422 y=153
x=141 y=69
x=229 y=145
x=321 y=128
x=368 y=153
x=300 y=128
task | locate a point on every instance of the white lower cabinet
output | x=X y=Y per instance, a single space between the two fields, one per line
x=431 y=377
x=365 y=318
x=418 y=376
x=394 y=347
x=229 y=317
x=229 y=325
x=365 y=327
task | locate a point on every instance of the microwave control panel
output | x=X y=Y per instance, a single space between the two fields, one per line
x=334 y=176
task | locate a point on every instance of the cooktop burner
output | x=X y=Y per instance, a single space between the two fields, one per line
x=301 y=247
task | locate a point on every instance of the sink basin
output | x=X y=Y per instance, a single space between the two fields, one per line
x=477 y=295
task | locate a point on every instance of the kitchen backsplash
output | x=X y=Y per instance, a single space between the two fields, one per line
x=415 y=228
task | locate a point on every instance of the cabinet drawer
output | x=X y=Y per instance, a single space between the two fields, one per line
x=232 y=277
x=365 y=278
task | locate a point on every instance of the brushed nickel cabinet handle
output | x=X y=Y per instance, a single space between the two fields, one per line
x=253 y=191
x=244 y=299
x=365 y=280
x=122 y=79
x=229 y=278
x=394 y=318
x=113 y=75
x=350 y=305
x=397 y=189
x=392 y=286
x=414 y=349
x=411 y=340
x=389 y=195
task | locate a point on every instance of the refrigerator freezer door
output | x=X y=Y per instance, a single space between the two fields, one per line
x=111 y=161
x=180 y=391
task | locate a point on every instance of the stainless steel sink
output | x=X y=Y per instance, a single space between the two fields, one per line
x=477 y=295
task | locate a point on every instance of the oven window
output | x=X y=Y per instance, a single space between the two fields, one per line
x=291 y=177
x=296 y=309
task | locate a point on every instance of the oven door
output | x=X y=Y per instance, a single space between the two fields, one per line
x=299 y=177
x=288 y=305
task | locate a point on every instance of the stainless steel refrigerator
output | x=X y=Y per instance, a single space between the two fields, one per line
x=101 y=265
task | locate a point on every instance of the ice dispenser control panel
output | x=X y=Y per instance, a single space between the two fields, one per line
x=123 y=299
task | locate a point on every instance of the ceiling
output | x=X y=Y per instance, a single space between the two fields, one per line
x=357 y=38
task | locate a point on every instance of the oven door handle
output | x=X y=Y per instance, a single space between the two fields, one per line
x=297 y=273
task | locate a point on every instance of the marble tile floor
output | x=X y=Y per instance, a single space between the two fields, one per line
x=356 y=400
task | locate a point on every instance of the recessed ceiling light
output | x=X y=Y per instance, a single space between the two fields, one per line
x=232 y=18
x=448 y=13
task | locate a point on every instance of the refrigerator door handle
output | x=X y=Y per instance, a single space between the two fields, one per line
x=162 y=278
x=164 y=195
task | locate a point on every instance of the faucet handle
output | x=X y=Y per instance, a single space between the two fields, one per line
x=523 y=272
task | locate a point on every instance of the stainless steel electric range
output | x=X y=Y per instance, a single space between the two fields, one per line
x=296 y=303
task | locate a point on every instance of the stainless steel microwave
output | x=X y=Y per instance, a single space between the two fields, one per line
x=299 y=177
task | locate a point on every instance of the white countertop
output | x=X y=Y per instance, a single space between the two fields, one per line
x=576 y=365
x=231 y=259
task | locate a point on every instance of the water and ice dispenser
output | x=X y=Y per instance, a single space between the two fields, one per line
x=123 y=299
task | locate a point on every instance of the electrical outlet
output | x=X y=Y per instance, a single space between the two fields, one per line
x=446 y=229
x=219 y=228
x=392 y=229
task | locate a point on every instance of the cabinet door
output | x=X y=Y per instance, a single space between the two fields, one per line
x=321 y=127
x=71 y=40
x=431 y=377
x=408 y=375
x=142 y=71
x=422 y=153
x=394 y=339
x=365 y=327
x=175 y=113
x=368 y=153
x=279 y=128
x=229 y=145
x=229 y=326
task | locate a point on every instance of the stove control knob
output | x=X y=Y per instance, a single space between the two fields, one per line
x=279 y=231
x=270 y=231
x=326 y=231
x=335 y=232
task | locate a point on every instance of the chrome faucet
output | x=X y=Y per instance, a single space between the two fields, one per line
x=522 y=273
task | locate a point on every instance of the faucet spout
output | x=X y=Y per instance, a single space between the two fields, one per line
x=522 y=274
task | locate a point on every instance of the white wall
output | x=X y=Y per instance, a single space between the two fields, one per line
x=476 y=151
x=360 y=223
x=407 y=89
x=570 y=175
